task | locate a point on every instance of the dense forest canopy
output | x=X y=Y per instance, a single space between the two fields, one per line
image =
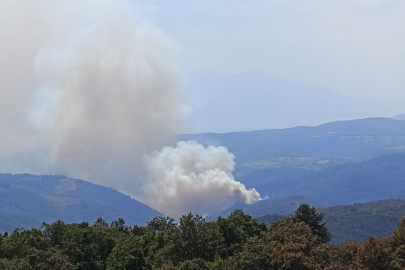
x=236 y=242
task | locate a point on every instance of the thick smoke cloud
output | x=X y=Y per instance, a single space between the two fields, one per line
x=23 y=32
x=87 y=80
x=100 y=88
x=194 y=179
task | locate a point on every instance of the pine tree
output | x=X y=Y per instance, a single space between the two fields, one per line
x=313 y=219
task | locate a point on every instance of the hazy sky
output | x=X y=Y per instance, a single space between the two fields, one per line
x=356 y=47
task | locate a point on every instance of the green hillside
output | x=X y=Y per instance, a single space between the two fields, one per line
x=28 y=200
x=358 y=221
x=380 y=178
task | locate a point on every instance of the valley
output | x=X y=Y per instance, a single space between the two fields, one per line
x=339 y=163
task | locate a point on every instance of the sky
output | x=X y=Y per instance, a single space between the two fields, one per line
x=355 y=47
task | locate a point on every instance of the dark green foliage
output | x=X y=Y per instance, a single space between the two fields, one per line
x=269 y=219
x=126 y=255
x=100 y=223
x=285 y=245
x=119 y=225
x=236 y=243
x=56 y=262
x=237 y=228
x=161 y=224
x=194 y=264
x=194 y=238
x=313 y=220
x=360 y=221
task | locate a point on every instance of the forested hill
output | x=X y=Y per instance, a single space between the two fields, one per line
x=28 y=200
x=376 y=179
x=359 y=221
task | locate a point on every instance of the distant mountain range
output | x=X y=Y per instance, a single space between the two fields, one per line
x=253 y=100
x=28 y=200
x=353 y=139
x=380 y=178
x=337 y=163
x=334 y=142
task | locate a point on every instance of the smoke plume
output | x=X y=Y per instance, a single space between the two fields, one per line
x=193 y=179
x=99 y=87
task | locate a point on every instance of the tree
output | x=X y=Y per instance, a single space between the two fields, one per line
x=330 y=257
x=100 y=223
x=103 y=243
x=78 y=245
x=30 y=246
x=399 y=258
x=195 y=264
x=286 y=245
x=218 y=264
x=55 y=232
x=291 y=244
x=397 y=245
x=399 y=236
x=138 y=230
x=374 y=255
x=237 y=228
x=15 y=264
x=194 y=238
x=127 y=255
x=350 y=252
x=57 y=261
x=161 y=224
x=235 y=243
x=120 y=225
x=313 y=219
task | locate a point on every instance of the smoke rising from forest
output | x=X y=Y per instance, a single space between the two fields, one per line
x=99 y=87
x=193 y=178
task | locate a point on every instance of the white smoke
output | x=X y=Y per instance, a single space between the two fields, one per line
x=112 y=82
x=192 y=178
x=99 y=87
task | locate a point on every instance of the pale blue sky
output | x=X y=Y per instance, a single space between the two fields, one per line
x=356 y=47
